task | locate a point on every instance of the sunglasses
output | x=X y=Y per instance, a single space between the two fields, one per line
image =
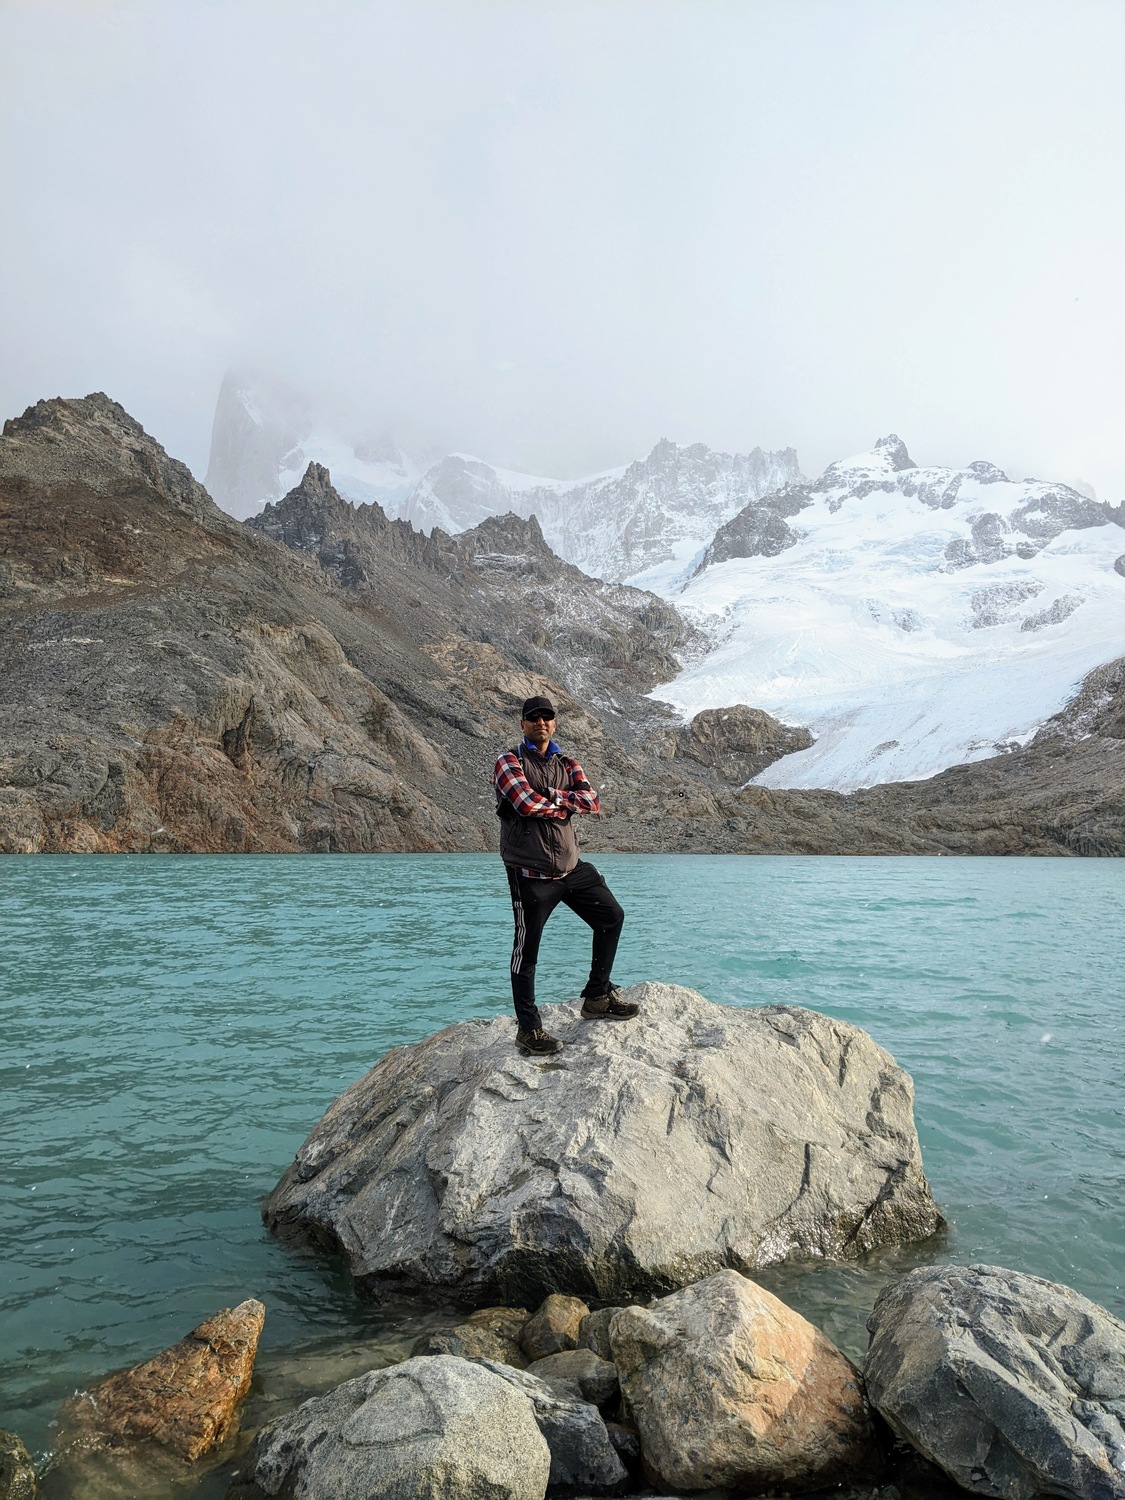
x=536 y=718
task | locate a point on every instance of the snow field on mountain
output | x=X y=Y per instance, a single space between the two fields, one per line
x=863 y=633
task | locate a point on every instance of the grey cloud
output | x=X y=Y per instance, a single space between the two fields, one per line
x=553 y=233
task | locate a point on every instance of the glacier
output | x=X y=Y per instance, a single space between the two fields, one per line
x=920 y=618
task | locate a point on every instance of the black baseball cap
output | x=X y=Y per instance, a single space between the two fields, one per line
x=537 y=705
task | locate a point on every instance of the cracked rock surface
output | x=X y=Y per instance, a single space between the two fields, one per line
x=438 y=1428
x=641 y=1158
x=1013 y=1385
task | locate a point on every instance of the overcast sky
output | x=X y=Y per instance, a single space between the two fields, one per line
x=553 y=233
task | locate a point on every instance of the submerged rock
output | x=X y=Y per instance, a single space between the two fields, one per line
x=1013 y=1385
x=437 y=1428
x=17 y=1472
x=729 y=1388
x=489 y=1333
x=642 y=1157
x=185 y=1400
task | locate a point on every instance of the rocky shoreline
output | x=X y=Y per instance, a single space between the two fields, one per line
x=627 y=1376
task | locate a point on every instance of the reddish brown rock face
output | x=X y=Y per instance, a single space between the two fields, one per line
x=185 y=1399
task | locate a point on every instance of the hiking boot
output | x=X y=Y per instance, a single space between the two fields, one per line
x=608 y=1007
x=537 y=1043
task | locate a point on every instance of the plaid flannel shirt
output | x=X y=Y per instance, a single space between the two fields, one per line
x=512 y=784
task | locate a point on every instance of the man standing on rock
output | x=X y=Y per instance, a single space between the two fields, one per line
x=538 y=791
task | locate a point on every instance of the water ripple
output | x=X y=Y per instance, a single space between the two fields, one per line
x=174 y=1026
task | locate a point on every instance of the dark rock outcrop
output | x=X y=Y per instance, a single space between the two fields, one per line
x=986 y=543
x=760 y=529
x=642 y=1158
x=1001 y=602
x=1014 y=1386
x=735 y=743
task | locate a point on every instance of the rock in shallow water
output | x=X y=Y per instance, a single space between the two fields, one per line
x=490 y=1333
x=185 y=1399
x=17 y=1472
x=729 y=1388
x=1013 y=1385
x=438 y=1428
x=644 y=1156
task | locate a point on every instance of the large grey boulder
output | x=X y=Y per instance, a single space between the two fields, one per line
x=438 y=1428
x=643 y=1157
x=1014 y=1386
x=583 y=1456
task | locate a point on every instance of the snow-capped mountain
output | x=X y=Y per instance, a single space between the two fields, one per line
x=658 y=510
x=617 y=525
x=912 y=618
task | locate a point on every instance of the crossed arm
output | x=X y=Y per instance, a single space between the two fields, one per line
x=578 y=796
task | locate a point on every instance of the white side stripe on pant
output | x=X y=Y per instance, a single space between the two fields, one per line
x=521 y=934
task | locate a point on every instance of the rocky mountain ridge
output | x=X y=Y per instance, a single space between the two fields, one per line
x=613 y=525
x=331 y=680
x=618 y=525
x=501 y=585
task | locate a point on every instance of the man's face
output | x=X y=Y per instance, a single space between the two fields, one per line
x=539 y=729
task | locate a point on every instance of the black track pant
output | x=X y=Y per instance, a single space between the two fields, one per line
x=533 y=901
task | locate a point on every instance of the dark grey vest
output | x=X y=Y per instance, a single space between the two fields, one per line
x=543 y=844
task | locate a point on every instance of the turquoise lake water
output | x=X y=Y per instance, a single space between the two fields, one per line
x=174 y=1026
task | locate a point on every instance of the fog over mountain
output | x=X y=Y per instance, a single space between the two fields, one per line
x=552 y=235
x=659 y=509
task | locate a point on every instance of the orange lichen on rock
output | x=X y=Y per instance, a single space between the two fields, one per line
x=185 y=1399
